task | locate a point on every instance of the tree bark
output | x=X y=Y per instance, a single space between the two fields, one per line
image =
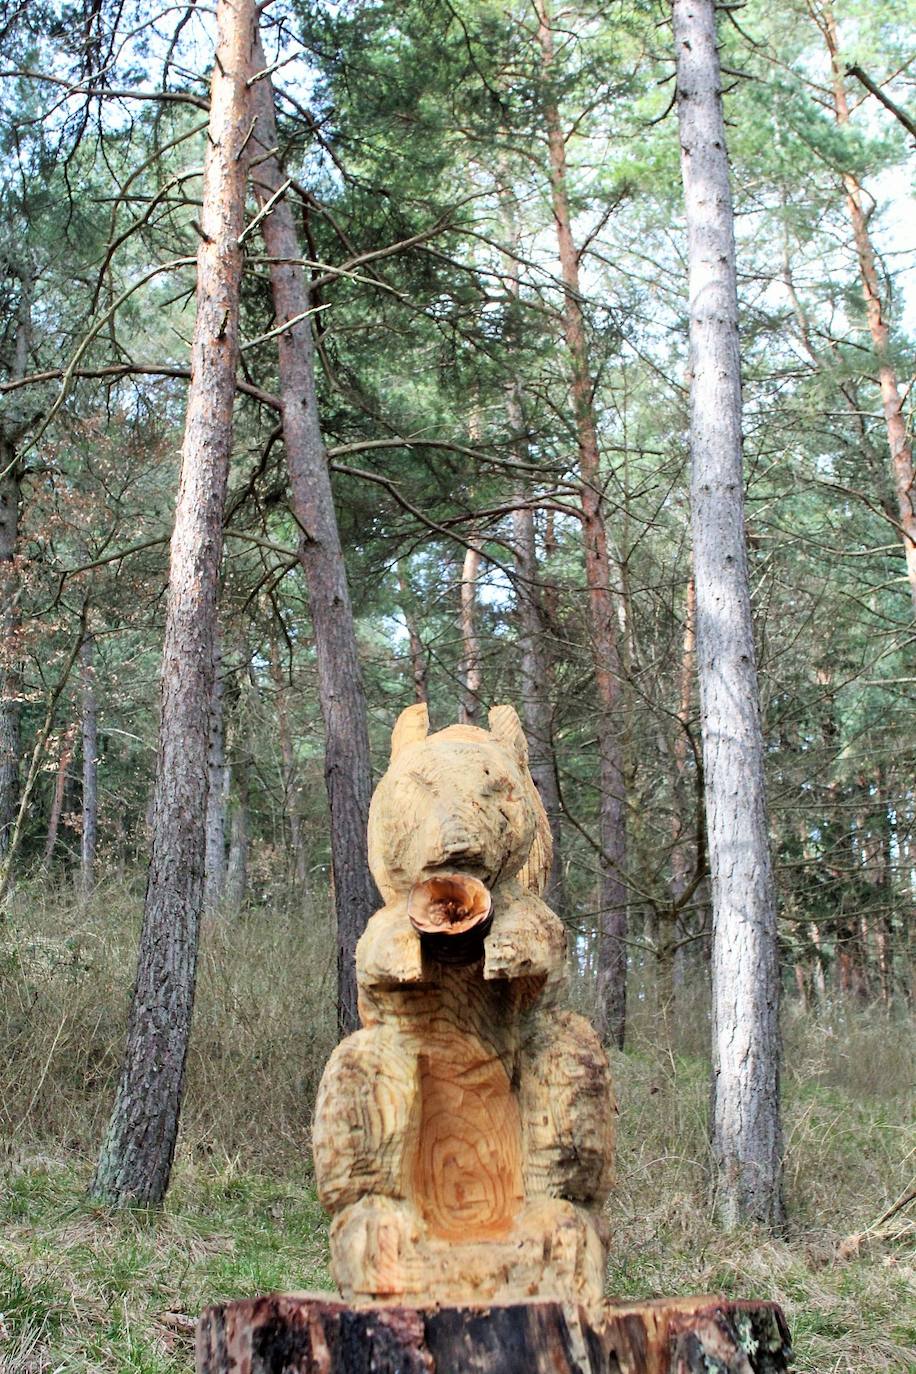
x=417 y=652
x=901 y=450
x=318 y=1334
x=348 y=768
x=288 y=771
x=680 y=857
x=239 y=831
x=818 y=978
x=217 y=789
x=669 y=947
x=90 y=799
x=612 y=952
x=469 y=671
x=10 y=501
x=136 y=1157
x=535 y=675
x=746 y=1133
x=9 y=631
x=535 y=668
x=67 y=741
x=884 y=933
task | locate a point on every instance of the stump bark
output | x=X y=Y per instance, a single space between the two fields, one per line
x=318 y=1334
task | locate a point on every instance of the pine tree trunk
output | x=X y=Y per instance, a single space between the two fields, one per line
x=535 y=668
x=417 y=653
x=10 y=501
x=9 y=632
x=348 y=768
x=819 y=980
x=535 y=674
x=57 y=800
x=746 y=1134
x=288 y=771
x=682 y=814
x=884 y=932
x=671 y=949
x=469 y=670
x=90 y=798
x=239 y=831
x=802 y=985
x=217 y=789
x=612 y=953
x=136 y=1157
x=901 y=448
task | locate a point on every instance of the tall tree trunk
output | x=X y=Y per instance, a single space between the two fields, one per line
x=417 y=652
x=901 y=449
x=884 y=932
x=681 y=826
x=535 y=668
x=288 y=770
x=684 y=816
x=136 y=1157
x=348 y=767
x=551 y=592
x=535 y=675
x=908 y=921
x=746 y=1132
x=67 y=740
x=10 y=500
x=90 y=798
x=217 y=788
x=469 y=670
x=612 y=954
x=239 y=832
x=667 y=945
x=9 y=633
x=819 y=979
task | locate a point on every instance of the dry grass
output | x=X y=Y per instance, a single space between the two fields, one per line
x=82 y=1289
x=262 y=1031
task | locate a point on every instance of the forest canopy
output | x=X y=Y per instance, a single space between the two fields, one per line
x=413 y=140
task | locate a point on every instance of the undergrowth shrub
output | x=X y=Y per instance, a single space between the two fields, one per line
x=263 y=1024
x=86 y=1290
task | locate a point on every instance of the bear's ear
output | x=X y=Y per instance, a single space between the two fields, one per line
x=507 y=728
x=412 y=725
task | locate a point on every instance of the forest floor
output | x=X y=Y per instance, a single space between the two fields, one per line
x=84 y=1289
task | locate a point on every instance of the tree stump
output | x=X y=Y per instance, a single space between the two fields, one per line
x=303 y=1334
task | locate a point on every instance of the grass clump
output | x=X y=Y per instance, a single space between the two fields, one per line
x=85 y=1289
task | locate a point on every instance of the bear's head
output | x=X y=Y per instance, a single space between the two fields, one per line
x=459 y=801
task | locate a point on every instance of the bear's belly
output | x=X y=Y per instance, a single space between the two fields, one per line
x=467 y=1176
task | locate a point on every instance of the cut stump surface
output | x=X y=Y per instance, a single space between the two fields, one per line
x=318 y=1334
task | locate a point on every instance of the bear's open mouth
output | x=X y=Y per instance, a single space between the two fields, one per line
x=452 y=913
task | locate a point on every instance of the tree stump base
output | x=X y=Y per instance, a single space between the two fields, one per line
x=301 y=1333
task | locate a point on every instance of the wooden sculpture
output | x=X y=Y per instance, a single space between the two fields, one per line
x=464 y=1138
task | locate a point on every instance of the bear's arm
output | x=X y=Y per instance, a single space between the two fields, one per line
x=526 y=940
x=388 y=952
x=364 y=1118
x=568 y=1111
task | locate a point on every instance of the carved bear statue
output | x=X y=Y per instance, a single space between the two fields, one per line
x=464 y=1138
